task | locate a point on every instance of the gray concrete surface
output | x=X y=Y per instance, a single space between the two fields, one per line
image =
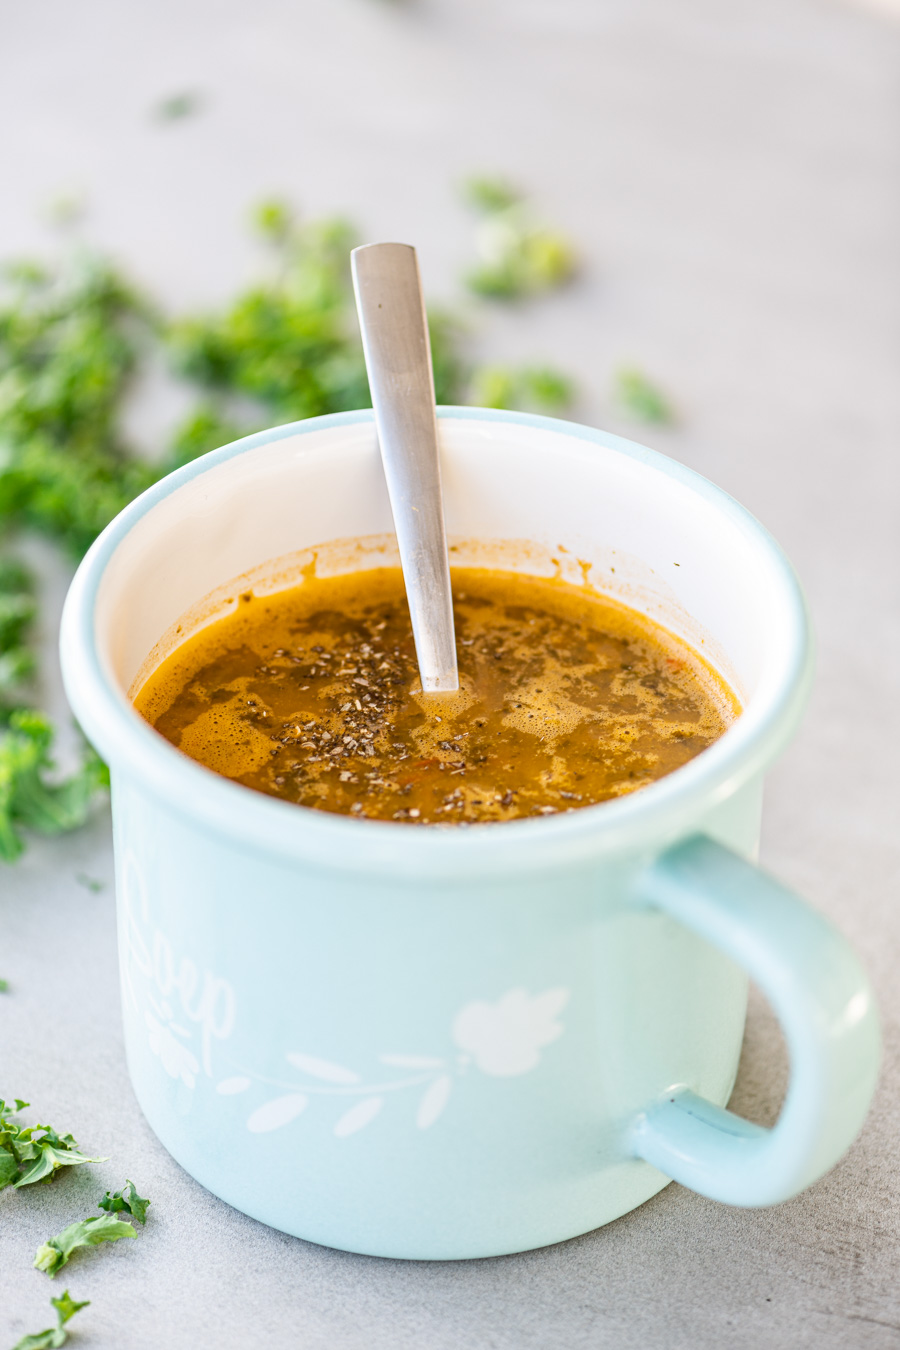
x=730 y=173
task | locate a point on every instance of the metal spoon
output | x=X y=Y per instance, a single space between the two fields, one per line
x=398 y=359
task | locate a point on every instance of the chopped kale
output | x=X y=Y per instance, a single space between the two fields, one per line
x=53 y=1337
x=640 y=399
x=126 y=1201
x=518 y=255
x=525 y=388
x=29 y=796
x=31 y=1153
x=56 y=1252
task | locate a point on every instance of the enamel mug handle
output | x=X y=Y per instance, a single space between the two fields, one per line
x=823 y=1000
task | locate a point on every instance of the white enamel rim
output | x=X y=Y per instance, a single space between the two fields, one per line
x=644 y=821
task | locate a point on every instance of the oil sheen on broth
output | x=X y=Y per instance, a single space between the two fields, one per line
x=312 y=694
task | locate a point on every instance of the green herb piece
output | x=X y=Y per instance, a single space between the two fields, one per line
x=66 y=1308
x=640 y=399
x=55 y=1253
x=25 y=272
x=274 y=220
x=17 y=610
x=291 y=344
x=289 y=347
x=178 y=106
x=89 y=883
x=67 y=494
x=30 y=1153
x=490 y=194
x=66 y=211
x=28 y=796
x=519 y=256
x=126 y=1201
x=69 y=346
x=4 y=986
x=524 y=388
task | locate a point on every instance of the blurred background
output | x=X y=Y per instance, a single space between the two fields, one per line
x=676 y=219
x=726 y=176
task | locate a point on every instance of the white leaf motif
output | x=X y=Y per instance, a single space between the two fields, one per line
x=322 y=1068
x=177 y=1060
x=411 y=1061
x=505 y=1038
x=433 y=1101
x=277 y=1112
x=229 y=1086
x=358 y=1116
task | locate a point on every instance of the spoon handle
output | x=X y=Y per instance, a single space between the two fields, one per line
x=398 y=359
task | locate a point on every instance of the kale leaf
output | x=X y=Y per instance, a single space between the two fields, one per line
x=640 y=399
x=519 y=256
x=69 y=346
x=17 y=611
x=290 y=344
x=55 y=1253
x=53 y=1337
x=30 y=1153
x=527 y=388
x=28 y=795
x=126 y=1201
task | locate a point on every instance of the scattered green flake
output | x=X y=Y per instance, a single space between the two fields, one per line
x=490 y=194
x=17 y=611
x=29 y=798
x=640 y=399
x=89 y=883
x=31 y=1153
x=290 y=345
x=66 y=1308
x=56 y=1252
x=126 y=1201
x=25 y=272
x=66 y=210
x=4 y=986
x=525 y=389
x=177 y=107
x=274 y=220
x=69 y=346
x=9 y=1167
x=518 y=255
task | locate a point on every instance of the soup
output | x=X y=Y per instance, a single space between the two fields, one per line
x=566 y=699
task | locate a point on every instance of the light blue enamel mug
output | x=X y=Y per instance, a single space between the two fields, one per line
x=435 y=1042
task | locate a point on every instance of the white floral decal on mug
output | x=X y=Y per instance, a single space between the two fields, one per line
x=502 y=1039
x=506 y=1038
x=174 y=986
x=191 y=1008
x=177 y=1059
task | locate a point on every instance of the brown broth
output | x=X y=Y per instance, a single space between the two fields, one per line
x=567 y=698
